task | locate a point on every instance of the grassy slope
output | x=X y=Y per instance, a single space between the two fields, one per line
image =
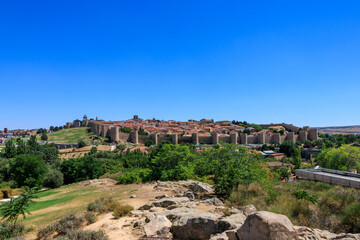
x=54 y=204
x=71 y=135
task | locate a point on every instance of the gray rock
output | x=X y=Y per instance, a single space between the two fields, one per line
x=165 y=202
x=192 y=224
x=200 y=187
x=153 y=209
x=149 y=217
x=190 y=195
x=139 y=223
x=158 y=227
x=267 y=226
x=248 y=209
x=213 y=201
x=161 y=196
x=231 y=222
x=137 y=213
x=220 y=236
x=147 y=206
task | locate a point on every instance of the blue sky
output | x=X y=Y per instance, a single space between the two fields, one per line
x=259 y=61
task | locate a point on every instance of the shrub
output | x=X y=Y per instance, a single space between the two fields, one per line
x=93 y=150
x=351 y=217
x=9 y=230
x=135 y=176
x=69 y=223
x=121 y=210
x=97 y=207
x=101 y=205
x=302 y=194
x=53 y=179
x=84 y=235
x=81 y=143
x=90 y=217
x=149 y=143
x=46 y=232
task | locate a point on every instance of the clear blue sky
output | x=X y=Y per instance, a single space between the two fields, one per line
x=259 y=61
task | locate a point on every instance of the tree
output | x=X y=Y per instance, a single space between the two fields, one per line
x=22 y=147
x=32 y=143
x=297 y=161
x=50 y=154
x=288 y=148
x=44 y=136
x=17 y=206
x=10 y=149
x=93 y=150
x=149 y=143
x=53 y=179
x=81 y=143
x=28 y=170
x=345 y=158
x=126 y=130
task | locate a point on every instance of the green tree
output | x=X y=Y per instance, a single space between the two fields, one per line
x=17 y=206
x=149 y=143
x=93 y=150
x=50 y=154
x=81 y=143
x=345 y=158
x=22 y=147
x=44 y=136
x=53 y=179
x=10 y=149
x=32 y=143
x=288 y=148
x=297 y=161
x=28 y=170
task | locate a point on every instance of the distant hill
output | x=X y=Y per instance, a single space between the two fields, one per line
x=340 y=129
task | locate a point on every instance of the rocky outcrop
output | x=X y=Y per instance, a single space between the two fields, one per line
x=267 y=226
x=181 y=218
x=158 y=227
x=166 y=202
x=192 y=224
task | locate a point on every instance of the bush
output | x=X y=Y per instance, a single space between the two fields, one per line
x=97 y=207
x=90 y=217
x=93 y=150
x=135 y=176
x=121 y=210
x=351 y=217
x=101 y=205
x=9 y=230
x=84 y=235
x=149 y=143
x=46 y=232
x=81 y=143
x=69 y=223
x=53 y=179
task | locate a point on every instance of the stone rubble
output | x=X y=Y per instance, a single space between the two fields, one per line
x=178 y=217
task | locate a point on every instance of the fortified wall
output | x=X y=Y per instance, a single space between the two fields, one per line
x=112 y=132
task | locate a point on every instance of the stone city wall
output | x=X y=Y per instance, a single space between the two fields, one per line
x=113 y=133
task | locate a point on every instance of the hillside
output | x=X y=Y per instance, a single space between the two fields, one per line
x=340 y=130
x=70 y=135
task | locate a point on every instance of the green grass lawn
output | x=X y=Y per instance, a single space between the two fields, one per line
x=70 y=135
x=53 y=204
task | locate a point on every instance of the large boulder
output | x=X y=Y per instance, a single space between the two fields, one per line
x=231 y=222
x=192 y=224
x=213 y=201
x=264 y=225
x=306 y=233
x=166 y=202
x=200 y=187
x=248 y=209
x=158 y=227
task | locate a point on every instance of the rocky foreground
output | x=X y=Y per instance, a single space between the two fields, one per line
x=185 y=215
